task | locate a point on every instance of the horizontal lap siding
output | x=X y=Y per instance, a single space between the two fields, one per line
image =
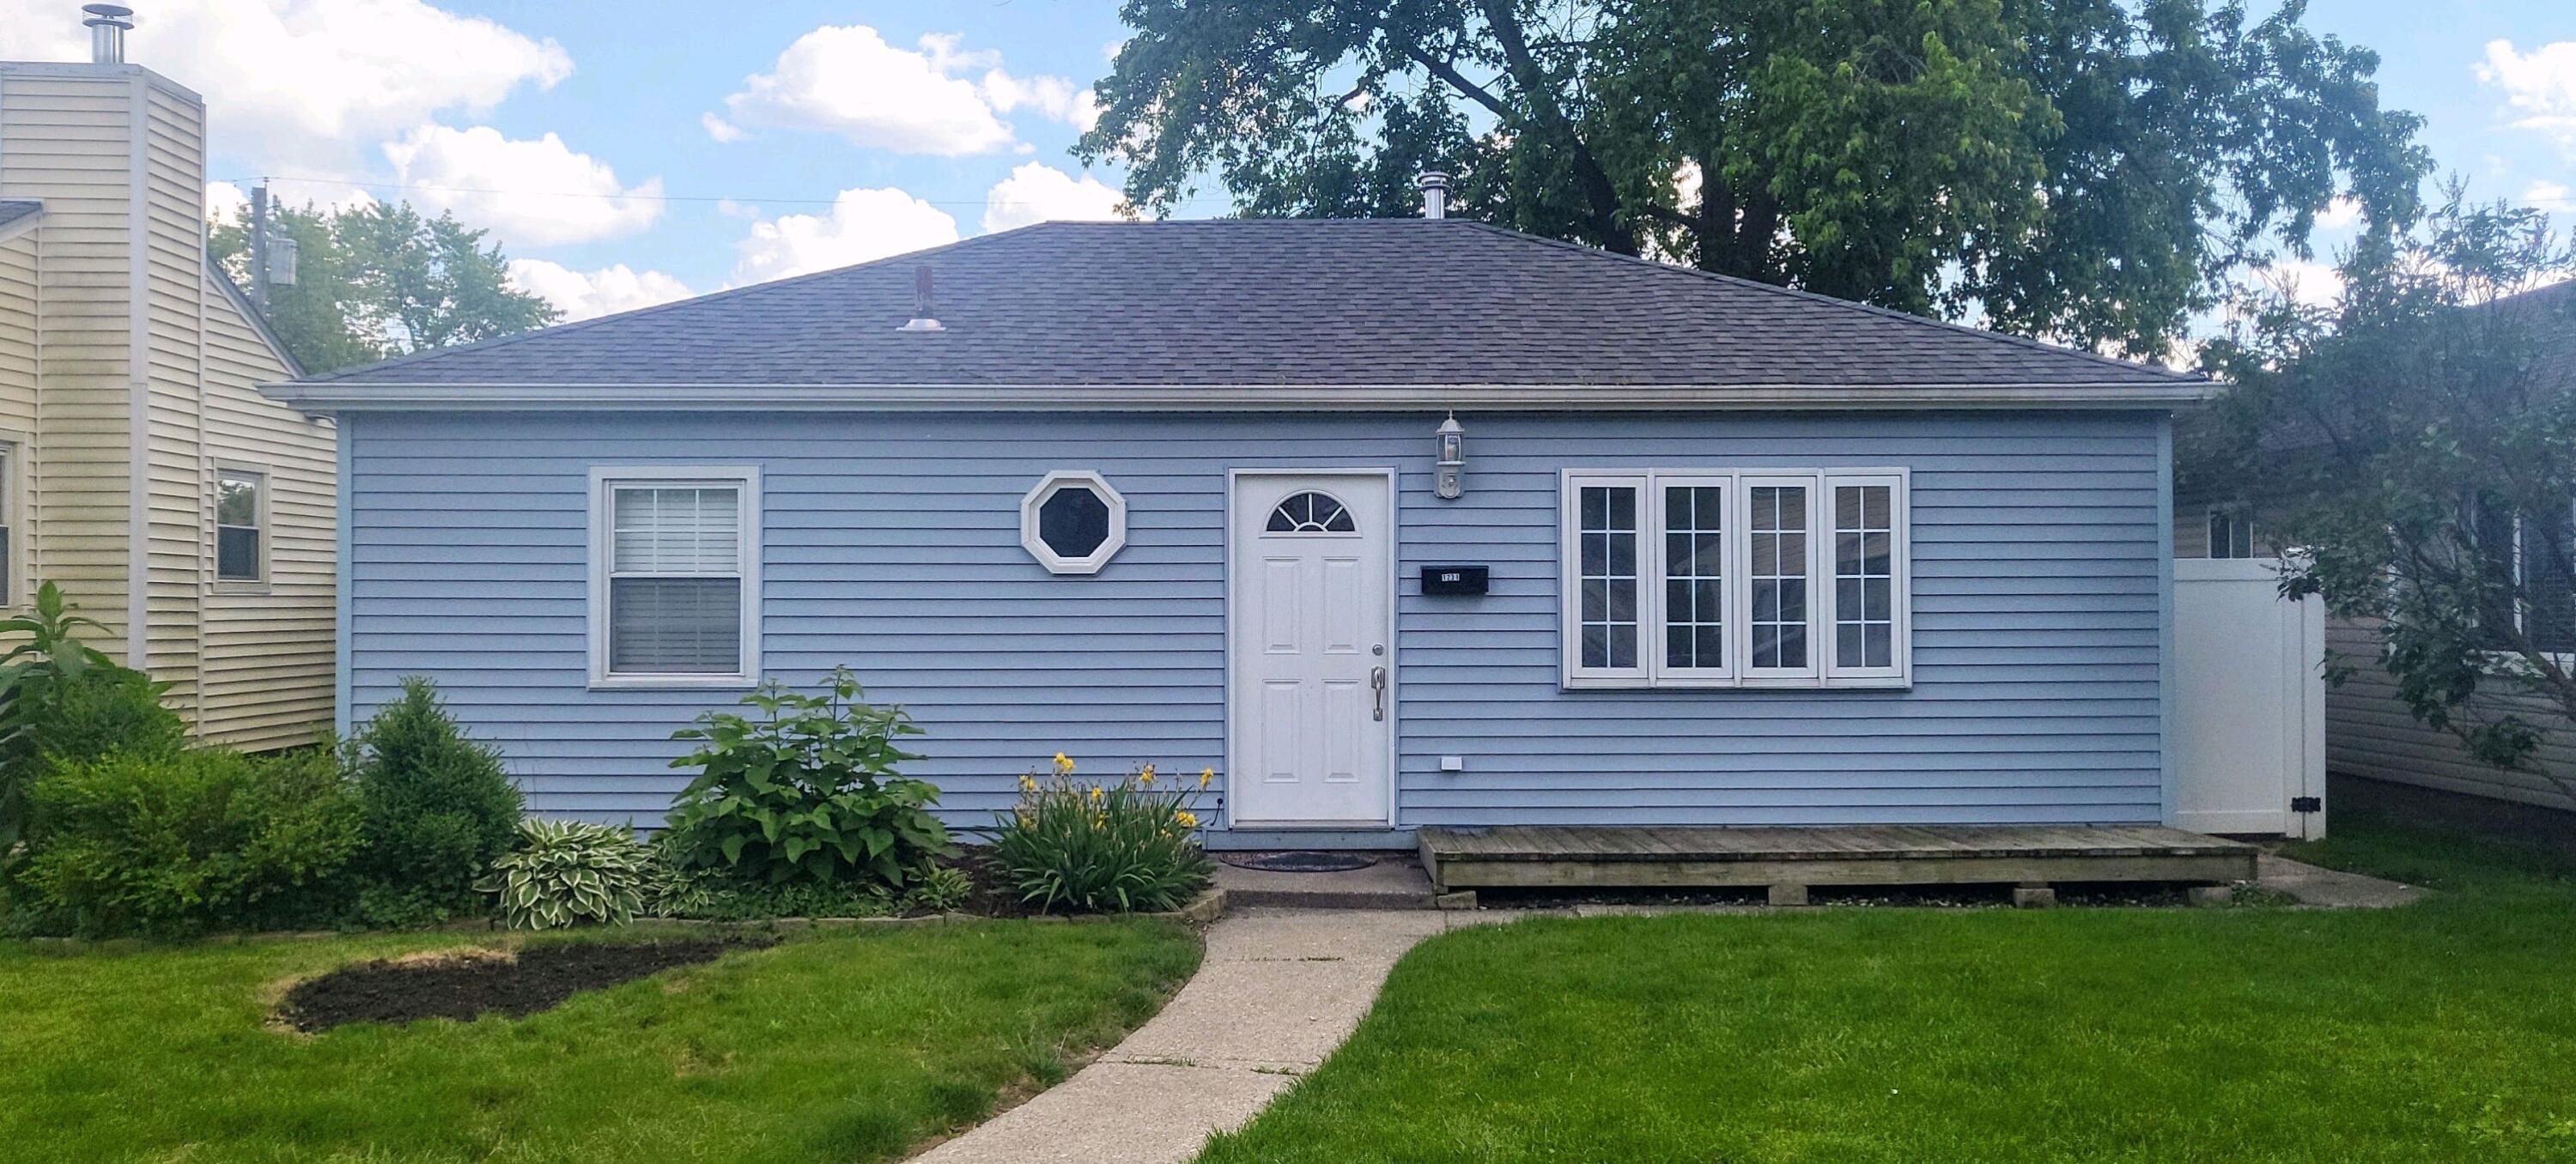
x=2370 y=732
x=892 y=544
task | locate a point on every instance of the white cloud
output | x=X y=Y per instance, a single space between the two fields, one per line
x=1037 y=192
x=2539 y=88
x=2553 y=197
x=228 y=202
x=2306 y=282
x=848 y=80
x=590 y=294
x=553 y=195
x=307 y=82
x=1054 y=98
x=862 y=225
x=2343 y=211
x=719 y=128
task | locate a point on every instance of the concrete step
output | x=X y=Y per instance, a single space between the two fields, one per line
x=1394 y=882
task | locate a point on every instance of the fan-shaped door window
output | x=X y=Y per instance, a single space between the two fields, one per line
x=1311 y=512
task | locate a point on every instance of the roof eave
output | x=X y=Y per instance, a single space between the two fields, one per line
x=331 y=397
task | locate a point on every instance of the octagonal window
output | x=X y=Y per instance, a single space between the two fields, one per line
x=1073 y=522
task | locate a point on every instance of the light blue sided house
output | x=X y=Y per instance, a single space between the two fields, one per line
x=1391 y=523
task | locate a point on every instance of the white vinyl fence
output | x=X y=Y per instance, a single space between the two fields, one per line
x=2251 y=695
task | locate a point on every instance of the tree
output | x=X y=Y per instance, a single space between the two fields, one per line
x=2417 y=440
x=382 y=280
x=2090 y=170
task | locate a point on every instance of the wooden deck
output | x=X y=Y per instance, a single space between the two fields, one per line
x=1788 y=860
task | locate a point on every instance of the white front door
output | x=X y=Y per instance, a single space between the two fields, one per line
x=1309 y=598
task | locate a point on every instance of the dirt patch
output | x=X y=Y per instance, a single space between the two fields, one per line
x=464 y=984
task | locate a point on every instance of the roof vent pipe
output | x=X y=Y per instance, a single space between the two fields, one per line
x=107 y=25
x=1435 y=194
x=922 y=319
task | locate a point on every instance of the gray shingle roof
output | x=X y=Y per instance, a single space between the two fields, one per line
x=1264 y=302
x=13 y=209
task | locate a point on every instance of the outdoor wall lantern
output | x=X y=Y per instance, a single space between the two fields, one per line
x=1453 y=459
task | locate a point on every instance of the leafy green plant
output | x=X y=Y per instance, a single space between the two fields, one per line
x=566 y=872
x=1100 y=847
x=195 y=840
x=106 y=711
x=939 y=889
x=48 y=669
x=439 y=809
x=805 y=791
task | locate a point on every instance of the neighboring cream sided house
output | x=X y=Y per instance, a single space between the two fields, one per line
x=139 y=468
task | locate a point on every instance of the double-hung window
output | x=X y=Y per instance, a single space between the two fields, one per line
x=675 y=576
x=2530 y=565
x=1735 y=578
x=241 y=525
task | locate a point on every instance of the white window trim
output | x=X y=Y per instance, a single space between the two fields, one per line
x=1649 y=671
x=17 y=589
x=606 y=478
x=1054 y=483
x=266 y=529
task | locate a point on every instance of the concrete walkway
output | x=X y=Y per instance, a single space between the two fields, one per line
x=1278 y=991
x=2330 y=888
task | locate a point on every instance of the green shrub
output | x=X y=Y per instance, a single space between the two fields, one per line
x=805 y=792
x=939 y=889
x=438 y=809
x=106 y=711
x=566 y=872
x=46 y=668
x=1129 y=846
x=704 y=895
x=191 y=841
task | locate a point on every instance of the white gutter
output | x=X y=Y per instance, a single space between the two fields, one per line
x=331 y=397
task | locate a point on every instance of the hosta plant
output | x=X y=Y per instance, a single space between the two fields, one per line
x=1101 y=847
x=805 y=790
x=567 y=873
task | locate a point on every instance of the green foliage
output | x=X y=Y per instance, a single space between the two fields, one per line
x=708 y=895
x=438 y=809
x=1092 y=847
x=939 y=889
x=565 y=873
x=2416 y=439
x=382 y=280
x=2087 y=170
x=57 y=693
x=106 y=711
x=806 y=790
x=191 y=841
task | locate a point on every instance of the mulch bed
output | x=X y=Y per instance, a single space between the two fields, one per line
x=464 y=984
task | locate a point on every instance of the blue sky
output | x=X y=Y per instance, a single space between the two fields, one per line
x=630 y=152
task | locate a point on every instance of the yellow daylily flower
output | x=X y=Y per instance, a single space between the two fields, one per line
x=1206 y=775
x=1062 y=764
x=1095 y=792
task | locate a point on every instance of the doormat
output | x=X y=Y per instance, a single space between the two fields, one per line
x=1298 y=862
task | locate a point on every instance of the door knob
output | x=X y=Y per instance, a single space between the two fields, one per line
x=1377 y=684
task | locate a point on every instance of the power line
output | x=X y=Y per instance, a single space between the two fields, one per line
x=703 y=198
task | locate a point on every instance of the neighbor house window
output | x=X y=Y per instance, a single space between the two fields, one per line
x=241 y=526
x=1073 y=522
x=2231 y=534
x=1735 y=578
x=675 y=592
x=2528 y=560
x=8 y=525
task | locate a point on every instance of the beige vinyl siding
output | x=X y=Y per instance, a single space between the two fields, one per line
x=67 y=138
x=117 y=155
x=173 y=234
x=2370 y=732
x=268 y=649
x=19 y=372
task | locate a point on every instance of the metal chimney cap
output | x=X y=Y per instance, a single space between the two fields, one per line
x=1435 y=193
x=115 y=14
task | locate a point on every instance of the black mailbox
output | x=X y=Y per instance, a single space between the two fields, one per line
x=1454 y=579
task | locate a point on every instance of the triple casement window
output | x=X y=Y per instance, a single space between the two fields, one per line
x=1735 y=578
x=675 y=576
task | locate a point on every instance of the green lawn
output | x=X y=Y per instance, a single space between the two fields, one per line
x=2445 y=1031
x=841 y=1046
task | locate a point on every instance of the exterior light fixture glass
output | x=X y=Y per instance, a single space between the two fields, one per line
x=1453 y=459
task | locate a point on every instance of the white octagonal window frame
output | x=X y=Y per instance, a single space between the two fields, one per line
x=1057 y=482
